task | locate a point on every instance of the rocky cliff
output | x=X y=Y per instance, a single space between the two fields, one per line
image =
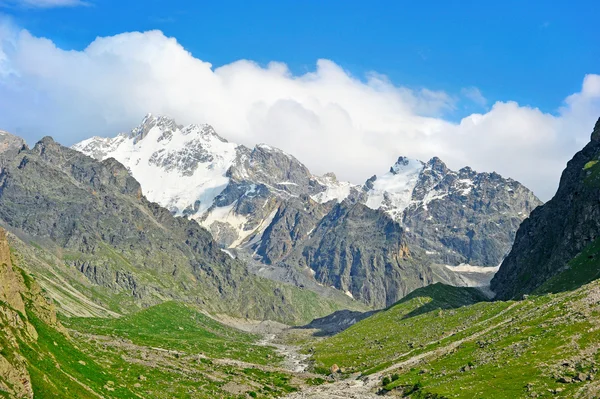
x=363 y=253
x=557 y=231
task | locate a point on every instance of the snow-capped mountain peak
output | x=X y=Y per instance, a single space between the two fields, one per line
x=179 y=167
x=193 y=171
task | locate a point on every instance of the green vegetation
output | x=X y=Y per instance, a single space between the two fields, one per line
x=89 y=365
x=179 y=327
x=59 y=369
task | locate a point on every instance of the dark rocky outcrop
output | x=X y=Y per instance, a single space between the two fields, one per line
x=557 y=231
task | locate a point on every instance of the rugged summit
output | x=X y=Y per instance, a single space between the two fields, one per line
x=9 y=142
x=557 y=231
x=230 y=189
x=456 y=217
x=266 y=203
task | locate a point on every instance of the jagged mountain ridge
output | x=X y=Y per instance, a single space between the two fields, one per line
x=91 y=220
x=237 y=192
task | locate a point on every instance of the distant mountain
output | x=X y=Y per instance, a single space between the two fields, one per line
x=267 y=204
x=559 y=230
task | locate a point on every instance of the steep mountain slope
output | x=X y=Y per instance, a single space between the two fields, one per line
x=93 y=217
x=364 y=253
x=557 y=231
x=465 y=216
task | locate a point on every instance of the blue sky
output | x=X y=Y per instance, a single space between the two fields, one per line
x=345 y=86
x=533 y=52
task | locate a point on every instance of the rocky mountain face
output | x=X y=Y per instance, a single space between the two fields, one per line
x=363 y=253
x=230 y=189
x=94 y=218
x=557 y=231
x=20 y=296
x=465 y=216
x=266 y=203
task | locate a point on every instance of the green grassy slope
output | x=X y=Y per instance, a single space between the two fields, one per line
x=417 y=319
x=178 y=327
x=544 y=346
x=59 y=369
x=91 y=366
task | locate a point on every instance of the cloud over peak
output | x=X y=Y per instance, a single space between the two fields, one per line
x=327 y=118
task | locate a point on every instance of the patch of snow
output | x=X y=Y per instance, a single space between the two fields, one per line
x=259 y=230
x=466 y=268
x=466 y=186
x=433 y=195
x=334 y=190
x=349 y=294
x=393 y=190
x=227 y=214
x=228 y=253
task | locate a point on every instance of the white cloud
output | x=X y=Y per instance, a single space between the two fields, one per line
x=327 y=118
x=44 y=3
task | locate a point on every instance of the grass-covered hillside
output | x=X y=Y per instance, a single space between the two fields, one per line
x=540 y=347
